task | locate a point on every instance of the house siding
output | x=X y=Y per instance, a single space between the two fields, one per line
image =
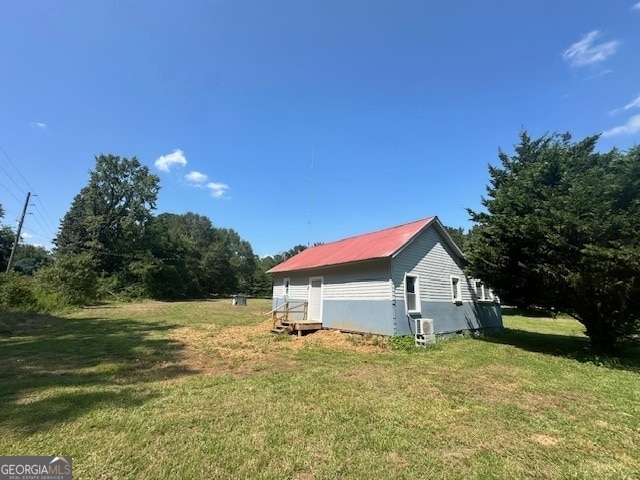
x=368 y=281
x=450 y=318
x=368 y=297
x=355 y=297
x=298 y=292
x=434 y=268
x=434 y=271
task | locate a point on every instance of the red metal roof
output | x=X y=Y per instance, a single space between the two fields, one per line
x=380 y=244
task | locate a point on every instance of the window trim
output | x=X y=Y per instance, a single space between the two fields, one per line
x=416 y=293
x=484 y=294
x=286 y=286
x=456 y=296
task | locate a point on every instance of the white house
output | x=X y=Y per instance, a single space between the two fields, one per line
x=380 y=282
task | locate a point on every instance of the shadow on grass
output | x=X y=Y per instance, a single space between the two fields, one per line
x=55 y=369
x=576 y=348
x=531 y=312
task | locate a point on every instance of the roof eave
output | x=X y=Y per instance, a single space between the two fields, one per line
x=331 y=265
x=443 y=232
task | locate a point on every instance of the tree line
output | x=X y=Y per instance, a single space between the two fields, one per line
x=559 y=230
x=110 y=245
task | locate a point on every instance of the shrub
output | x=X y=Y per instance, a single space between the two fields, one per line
x=402 y=342
x=16 y=293
x=71 y=280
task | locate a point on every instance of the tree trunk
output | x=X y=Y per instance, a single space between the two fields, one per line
x=602 y=335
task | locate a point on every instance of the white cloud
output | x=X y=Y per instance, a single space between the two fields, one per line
x=635 y=103
x=636 y=6
x=587 y=52
x=25 y=236
x=165 y=162
x=196 y=178
x=632 y=126
x=599 y=74
x=217 y=189
x=41 y=125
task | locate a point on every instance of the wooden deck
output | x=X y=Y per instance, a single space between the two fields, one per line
x=297 y=326
x=289 y=318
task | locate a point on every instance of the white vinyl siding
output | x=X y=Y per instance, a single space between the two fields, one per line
x=430 y=259
x=298 y=287
x=359 y=282
x=365 y=281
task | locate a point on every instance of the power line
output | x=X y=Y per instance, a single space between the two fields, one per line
x=33 y=233
x=11 y=178
x=46 y=216
x=10 y=192
x=139 y=255
x=38 y=222
x=16 y=169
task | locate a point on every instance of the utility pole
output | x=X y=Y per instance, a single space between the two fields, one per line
x=15 y=243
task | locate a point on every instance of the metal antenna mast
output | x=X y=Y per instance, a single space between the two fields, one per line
x=310 y=196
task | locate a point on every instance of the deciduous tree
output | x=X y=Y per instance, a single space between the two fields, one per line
x=108 y=217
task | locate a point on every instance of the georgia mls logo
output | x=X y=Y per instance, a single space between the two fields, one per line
x=35 y=468
x=62 y=464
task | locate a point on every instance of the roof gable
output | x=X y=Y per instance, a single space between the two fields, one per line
x=380 y=244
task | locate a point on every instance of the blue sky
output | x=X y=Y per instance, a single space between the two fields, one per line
x=295 y=121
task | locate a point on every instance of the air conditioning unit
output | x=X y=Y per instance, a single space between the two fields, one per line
x=424 y=326
x=424 y=332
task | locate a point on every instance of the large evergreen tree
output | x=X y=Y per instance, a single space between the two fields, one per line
x=562 y=230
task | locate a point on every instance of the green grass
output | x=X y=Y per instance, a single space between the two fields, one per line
x=164 y=390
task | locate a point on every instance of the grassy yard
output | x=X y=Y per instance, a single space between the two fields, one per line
x=203 y=390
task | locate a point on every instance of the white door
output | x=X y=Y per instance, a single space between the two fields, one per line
x=315 y=299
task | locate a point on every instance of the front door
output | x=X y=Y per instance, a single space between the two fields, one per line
x=315 y=299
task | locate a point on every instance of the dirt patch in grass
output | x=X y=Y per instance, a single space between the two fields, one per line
x=336 y=339
x=545 y=440
x=245 y=350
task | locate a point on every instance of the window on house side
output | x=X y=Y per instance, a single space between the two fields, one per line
x=286 y=284
x=456 y=294
x=411 y=294
x=480 y=293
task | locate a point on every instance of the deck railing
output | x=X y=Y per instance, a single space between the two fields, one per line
x=286 y=308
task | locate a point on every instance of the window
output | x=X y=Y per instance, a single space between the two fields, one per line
x=285 y=283
x=412 y=294
x=456 y=294
x=483 y=294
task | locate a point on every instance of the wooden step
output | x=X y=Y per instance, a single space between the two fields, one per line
x=280 y=329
